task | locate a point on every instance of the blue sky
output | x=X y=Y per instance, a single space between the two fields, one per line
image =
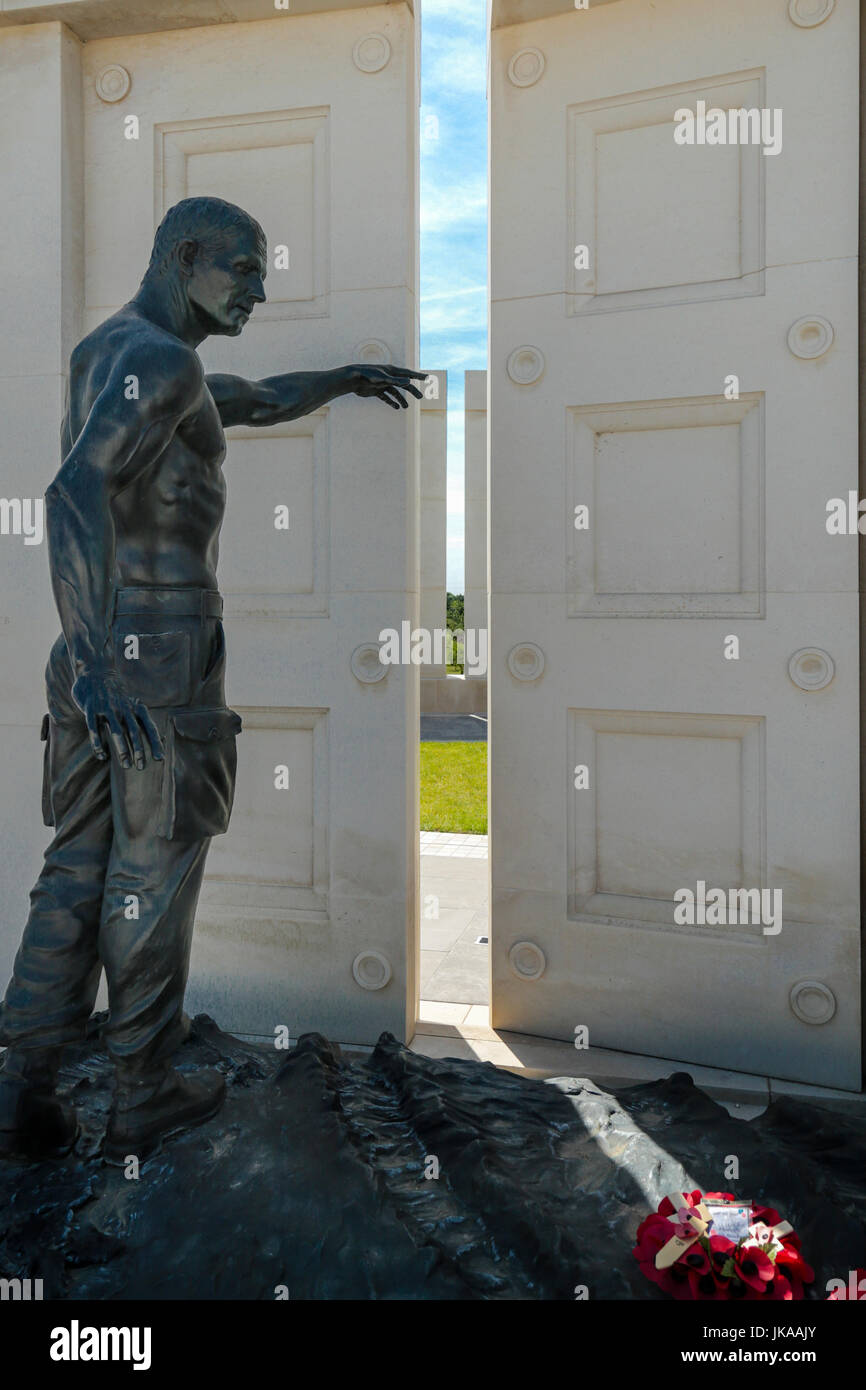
x=454 y=220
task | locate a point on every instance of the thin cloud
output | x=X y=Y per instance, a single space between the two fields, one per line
x=445 y=206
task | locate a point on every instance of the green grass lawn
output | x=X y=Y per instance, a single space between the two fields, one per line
x=454 y=787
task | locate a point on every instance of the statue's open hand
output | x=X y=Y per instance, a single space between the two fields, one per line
x=388 y=383
x=102 y=700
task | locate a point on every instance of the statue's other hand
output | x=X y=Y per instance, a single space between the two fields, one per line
x=103 y=701
x=388 y=383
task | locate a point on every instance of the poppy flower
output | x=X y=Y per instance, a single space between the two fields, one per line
x=696 y=1259
x=761 y=1234
x=679 y=1284
x=721 y=1251
x=754 y=1268
x=708 y=1288
x=666 y=1206
x=794 y=1265
x=653 y=1234
x=768 y=1215
x=722 y=1248
x=779 y=1289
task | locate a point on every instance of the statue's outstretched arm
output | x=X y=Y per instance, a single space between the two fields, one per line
x=287 y=397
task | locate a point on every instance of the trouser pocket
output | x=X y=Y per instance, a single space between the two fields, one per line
x=199 y=774
x=153 y=666
x=47 y=806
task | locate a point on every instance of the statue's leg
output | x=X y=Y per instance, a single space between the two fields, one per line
x=151 y=892
x=56 y=973
x=149 y=904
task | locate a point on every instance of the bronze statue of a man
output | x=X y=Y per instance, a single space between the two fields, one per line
x=140 y=747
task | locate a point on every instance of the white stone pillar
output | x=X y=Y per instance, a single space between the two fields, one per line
x=475 y=524
x=40 y=193
x=433 y=522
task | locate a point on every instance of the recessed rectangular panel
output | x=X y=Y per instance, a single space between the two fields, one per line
x=649 y=841
x=275 y=852
x=275 y=476
x=267 y=540
x=642 y=168
x=277 y=841
x=667 y=510
x=674 y=492
x=671 y=800
x=627 y=176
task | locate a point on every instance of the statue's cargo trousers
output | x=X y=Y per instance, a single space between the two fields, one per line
x=122 y=875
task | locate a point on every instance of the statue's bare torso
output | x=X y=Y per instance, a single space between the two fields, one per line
x=167 y=519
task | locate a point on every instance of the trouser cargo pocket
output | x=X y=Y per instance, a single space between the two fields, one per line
x=47 y=807
x=199 y=774
x=153 y=666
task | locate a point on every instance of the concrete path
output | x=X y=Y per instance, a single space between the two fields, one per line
x=456 y=846
x=455 y=965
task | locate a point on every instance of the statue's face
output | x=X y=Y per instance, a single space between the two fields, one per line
x=225 y=285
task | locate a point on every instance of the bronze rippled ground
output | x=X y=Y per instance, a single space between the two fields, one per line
x=315 y=1180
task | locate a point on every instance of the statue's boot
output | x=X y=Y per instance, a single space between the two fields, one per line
x=150 y=1106
x=34 y=1122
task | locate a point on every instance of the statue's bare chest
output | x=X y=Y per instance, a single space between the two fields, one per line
x=200 y=436
x=192 y=463
x=183 y=492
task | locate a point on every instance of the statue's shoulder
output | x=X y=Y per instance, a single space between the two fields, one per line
x=126 y=340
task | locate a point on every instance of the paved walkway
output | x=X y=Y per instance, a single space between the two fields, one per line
x=453 y=846
x=455 y=964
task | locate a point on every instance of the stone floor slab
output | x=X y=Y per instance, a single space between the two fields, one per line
x=478 y=1015
x=462 y=977
x=435 y=1012
x=430 y=962
x=444 y=931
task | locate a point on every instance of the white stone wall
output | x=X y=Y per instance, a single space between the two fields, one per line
x=646 y=508
x=475 y=516
x=273 y=112
x=434 y=519
x=41 y=194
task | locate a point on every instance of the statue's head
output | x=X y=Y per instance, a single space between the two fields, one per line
x=216 y=254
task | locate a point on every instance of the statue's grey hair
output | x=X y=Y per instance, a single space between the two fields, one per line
x=206 y=221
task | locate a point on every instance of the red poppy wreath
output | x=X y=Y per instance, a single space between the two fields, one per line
x=712 y=1246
